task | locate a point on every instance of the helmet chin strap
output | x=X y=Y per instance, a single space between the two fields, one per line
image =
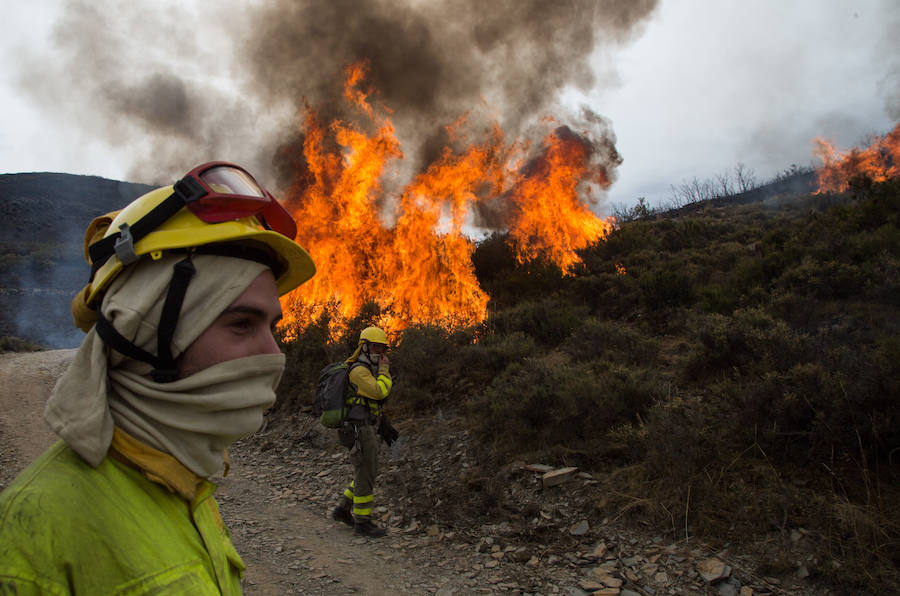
x=165 y=369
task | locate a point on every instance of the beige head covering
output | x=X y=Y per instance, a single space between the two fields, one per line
x=193 y=419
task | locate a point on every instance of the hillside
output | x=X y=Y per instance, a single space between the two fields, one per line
x=42 y=252
x=727 y=375
x=730 y=375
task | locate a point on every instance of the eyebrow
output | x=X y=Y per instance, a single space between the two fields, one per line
x=249 y=310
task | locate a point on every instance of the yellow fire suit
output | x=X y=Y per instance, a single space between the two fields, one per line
x=371 y=391
x=139 y=523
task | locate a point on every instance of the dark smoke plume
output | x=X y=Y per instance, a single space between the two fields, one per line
x=154 y=79
x=432 y=62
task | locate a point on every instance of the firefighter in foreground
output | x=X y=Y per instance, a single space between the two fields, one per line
x=371 y=384
x=179 y=361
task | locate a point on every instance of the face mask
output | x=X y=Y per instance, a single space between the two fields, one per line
x=196 y=418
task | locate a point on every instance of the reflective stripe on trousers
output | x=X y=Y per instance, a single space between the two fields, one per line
x=364 y=457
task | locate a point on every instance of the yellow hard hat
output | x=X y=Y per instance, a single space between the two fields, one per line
x=185 y=229
x=217 y=208
x=374 y=335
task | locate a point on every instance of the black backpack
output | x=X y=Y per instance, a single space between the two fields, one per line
x=331 y=394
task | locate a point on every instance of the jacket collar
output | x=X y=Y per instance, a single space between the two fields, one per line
x=159 y=467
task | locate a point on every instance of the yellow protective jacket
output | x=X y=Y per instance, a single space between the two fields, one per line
x=371 y=389
x=139 y=523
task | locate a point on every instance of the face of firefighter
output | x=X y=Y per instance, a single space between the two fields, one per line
x=245 y=328
x=376 y=352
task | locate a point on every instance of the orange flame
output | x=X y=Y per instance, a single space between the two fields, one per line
x=879 y=161
x=420 y=270
x=557 y=228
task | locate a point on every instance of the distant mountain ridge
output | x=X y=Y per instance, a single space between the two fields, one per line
x=59 y=204
x=798 y=183
x=42 y=229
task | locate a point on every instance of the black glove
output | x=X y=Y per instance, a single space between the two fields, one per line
x=387 y=432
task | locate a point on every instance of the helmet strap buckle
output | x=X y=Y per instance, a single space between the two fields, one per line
x=124 y=246
x=189 y=190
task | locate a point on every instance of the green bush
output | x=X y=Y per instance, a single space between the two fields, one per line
x=547 y=407
x=830 y=279
x=746 y=343
x=422 y=366
x=482 y=361
x=545 y=320
x=738 y=290
x=609 y=295
x=612 y=341
x=667 y=287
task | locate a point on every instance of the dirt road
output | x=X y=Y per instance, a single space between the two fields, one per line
x=289 y=547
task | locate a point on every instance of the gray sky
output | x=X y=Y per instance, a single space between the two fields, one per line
x=690 y=88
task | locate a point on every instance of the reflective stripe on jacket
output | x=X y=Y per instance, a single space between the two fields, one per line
x=371 y=390
x=68 y=528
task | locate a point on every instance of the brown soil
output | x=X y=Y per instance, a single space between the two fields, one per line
x=452 y=528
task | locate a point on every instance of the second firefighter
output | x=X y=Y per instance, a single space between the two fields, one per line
x=371 y=381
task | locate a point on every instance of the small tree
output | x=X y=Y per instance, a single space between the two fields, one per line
x=745 y=177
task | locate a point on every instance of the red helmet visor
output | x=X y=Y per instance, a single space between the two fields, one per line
x=220 y=191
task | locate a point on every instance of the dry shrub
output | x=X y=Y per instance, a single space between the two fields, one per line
x=17 y=344
x=707 y=472
x=749 y=341
x=419 y=367
x=547 y=320
x=866 y=541
x=550 y=408
x=611 y=341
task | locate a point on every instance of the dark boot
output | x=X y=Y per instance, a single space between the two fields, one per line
x=342 y=514
x=367 y=528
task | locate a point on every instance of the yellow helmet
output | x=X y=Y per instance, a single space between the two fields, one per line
x=186 y=230
x=217 y=208
x=179 y=227
x=374 y=335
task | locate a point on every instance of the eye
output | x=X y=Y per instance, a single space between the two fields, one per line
x=241 y=324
